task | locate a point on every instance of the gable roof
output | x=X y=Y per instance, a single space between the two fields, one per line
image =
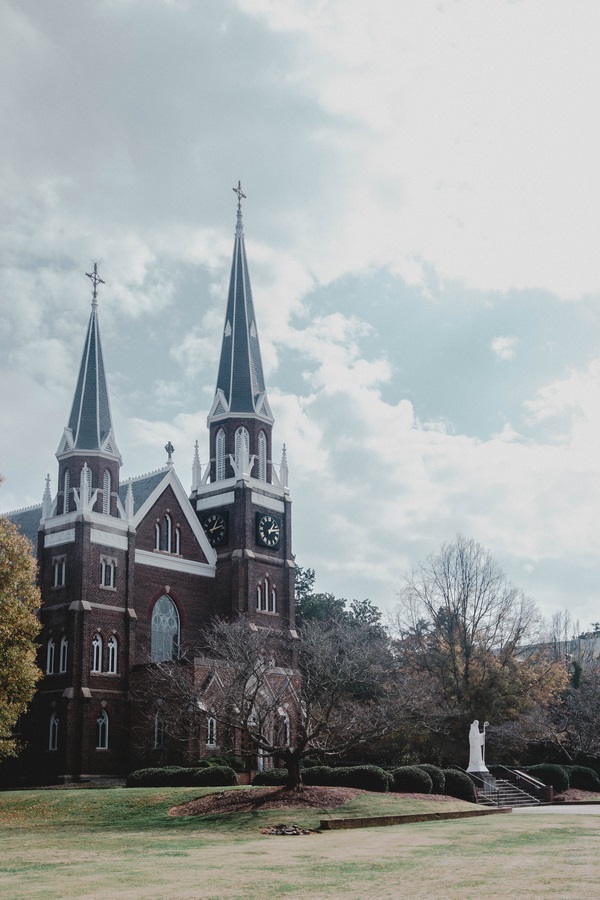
x=27 y=520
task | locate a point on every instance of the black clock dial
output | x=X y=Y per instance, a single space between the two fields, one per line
x=215 y=527
x=268 y=530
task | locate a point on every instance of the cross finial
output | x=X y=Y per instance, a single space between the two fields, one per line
x=96 y=280
x=240 y=194
x=170 y=451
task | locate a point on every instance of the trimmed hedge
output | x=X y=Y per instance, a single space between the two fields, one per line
x=411 y=780
x=271 y=777
x=583 y=778
x=181 y=776
x=234 y=762
x=437 y=777
x=549 y=773
x=459 y=785
x=367 y=778
x=319 y=775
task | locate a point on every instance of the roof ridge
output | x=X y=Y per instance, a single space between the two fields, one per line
x=12 y=512
x=125 y=481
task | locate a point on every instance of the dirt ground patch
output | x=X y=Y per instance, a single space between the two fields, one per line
x=307 y=797
x=574 y=795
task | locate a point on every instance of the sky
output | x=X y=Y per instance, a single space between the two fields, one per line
x=423 y=230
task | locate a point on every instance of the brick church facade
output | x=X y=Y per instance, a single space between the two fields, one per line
x=132 y=573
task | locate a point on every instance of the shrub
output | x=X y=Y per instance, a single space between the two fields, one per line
x=437 y=777
x=367 y=778
x=309 y=763
x=412 y=780
x=180 y=776
x=270 y=777
x=319 y=775
x=549 y=773
x=215 y=776
x=234 y=762
x=459 y=785
x=584 y=778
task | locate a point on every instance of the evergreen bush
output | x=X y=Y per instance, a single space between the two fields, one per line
x=437 y=777
x=550 y=773
x=367 y=778
x=271 y=777
x=583 y=778
x=227 y=759
x=459 y=785
x=319 y=775
x=215 y=776
x=411 y=780
x=181 y=776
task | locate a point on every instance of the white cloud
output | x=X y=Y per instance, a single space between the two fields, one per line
x=505 y=347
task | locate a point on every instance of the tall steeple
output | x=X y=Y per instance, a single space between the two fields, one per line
x=240 y=381
x=89 y=434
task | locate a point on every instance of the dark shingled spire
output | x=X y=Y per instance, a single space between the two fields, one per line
x=240 y=379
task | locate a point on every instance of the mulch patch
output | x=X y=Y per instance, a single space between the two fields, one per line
x=266 y=798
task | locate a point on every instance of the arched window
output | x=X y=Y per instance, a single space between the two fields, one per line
x=106 y=494
x=96 y=653
x=258 y=597
x=285 y=729
x=157 y=536
x=53 y=733
x=59 y=566
x=112 y=648
x=107 y=572
x=159 y=730
x=220 y=454
x=66 y=487
x=87 y=484
x=64 y=654
x=242 y=446
x=178 y=541
x=166 y=535
x=165 y=630
x=211 y=731
x=50 y=651
x=102 y=731
x=273 y=600
x=266 y=594
x=262 y=456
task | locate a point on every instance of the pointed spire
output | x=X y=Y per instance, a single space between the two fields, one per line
x=283 y=469
x=240 y=382
x=90 y=423
x=47 y=500
x=129 y=507
x=196 y=470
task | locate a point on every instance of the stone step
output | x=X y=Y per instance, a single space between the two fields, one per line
x=506 y=794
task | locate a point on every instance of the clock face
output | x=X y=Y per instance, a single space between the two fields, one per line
x=216 y=529
x=267 y=530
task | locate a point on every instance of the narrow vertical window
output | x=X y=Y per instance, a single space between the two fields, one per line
x=112 y=648
x=66 y=487
x=242 y=446
x=211 y=731
x=107 y=572
x=273 y=600
x=59 y=568
x=265 y=602
x=178 y=541
x=157 y=536
x=258 y=597
x=53 y=733
x=96 y=653
x=102 y=731
x=159 y=731
x=50 y=652
x=220 y=454
x=106 y=493
x=262 y=456
x=87 y=484
x=63 y=657
x=166 y=535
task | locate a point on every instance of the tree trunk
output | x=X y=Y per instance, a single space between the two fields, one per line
x=292 y=762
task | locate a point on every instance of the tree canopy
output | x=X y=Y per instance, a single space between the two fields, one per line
x=19 y=597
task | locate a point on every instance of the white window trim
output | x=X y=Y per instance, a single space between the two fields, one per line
x=102 y=731
x=112 y=646
x=63 y=655
x=97 y=647
x=50 y=656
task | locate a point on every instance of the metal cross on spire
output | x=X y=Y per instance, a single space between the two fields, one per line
x=96 y=280
x=240 y=194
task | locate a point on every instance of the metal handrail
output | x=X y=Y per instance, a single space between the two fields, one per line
x=492 y=794
x=516 y=775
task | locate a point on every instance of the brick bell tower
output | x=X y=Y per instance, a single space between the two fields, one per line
x=243 y=501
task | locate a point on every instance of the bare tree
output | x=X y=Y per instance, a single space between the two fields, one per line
x=460 y=624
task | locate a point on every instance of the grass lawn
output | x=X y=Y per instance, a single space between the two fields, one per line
x=109 y=843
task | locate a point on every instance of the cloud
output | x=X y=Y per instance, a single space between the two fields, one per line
x=505 y=347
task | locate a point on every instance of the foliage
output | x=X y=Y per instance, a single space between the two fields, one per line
x=327 y=608
x=182 y=776
x=411 y=780
x=19 y=597
x=458 y=784
x=583 y=778
x=227 y=759
x=367 y=778
x=460 y=624
x=437 y=777
x=557 y=776
x=271 y=777
x=319 y=775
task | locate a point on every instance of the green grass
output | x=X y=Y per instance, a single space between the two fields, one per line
x=108 y=843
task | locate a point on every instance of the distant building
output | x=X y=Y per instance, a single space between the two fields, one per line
x=131 y=573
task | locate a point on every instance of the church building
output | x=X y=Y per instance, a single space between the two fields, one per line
x=132 y=572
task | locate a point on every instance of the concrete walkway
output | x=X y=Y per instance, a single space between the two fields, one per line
x=572 y=809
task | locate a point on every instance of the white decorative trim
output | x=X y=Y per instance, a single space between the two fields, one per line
x=108 y=539
x=268 y=502
x=174 y=563
x=60 y=537
x=217 y=500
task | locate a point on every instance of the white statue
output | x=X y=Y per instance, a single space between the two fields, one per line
x=477 y=747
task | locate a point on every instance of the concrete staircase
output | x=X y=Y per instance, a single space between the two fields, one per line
x=505 y=794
